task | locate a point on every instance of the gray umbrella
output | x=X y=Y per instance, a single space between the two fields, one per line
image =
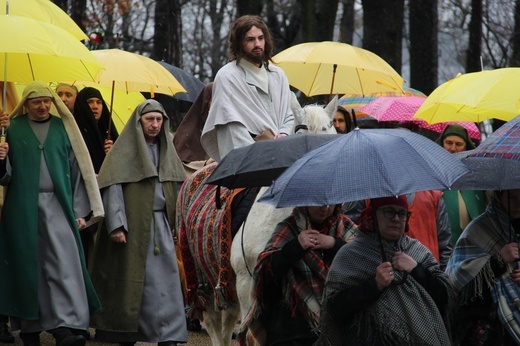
x=495 y=163
x=192 y=85
x=365 y=163
x=260 y=163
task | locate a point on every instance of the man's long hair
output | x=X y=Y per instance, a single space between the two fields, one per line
x=237 y=35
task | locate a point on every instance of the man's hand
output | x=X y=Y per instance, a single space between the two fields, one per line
x=118 y=236
x=4 y=149
x=81 y=223
x=4 y=120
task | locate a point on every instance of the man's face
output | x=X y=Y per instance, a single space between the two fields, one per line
x=339 y=122
x=96 y=105
x=38 y=108
x=151 y=124
x=454 y=144
x=253 y=46
x=68 y=96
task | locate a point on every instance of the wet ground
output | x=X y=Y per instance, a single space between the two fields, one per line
x=194 y=339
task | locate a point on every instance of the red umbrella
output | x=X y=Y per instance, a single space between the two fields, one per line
x=402 y=109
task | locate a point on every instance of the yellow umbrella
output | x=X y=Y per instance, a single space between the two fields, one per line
x=133 y=72
x=474 y=97
x=43 y=11
x=326 y=68
x=123 y=104
x=32 y=50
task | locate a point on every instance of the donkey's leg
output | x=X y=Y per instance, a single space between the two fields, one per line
x=213 y=324
x=229 y=321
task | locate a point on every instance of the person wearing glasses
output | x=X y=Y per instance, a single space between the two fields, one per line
x=428 y=223
x=385 y=288
x=290 y=275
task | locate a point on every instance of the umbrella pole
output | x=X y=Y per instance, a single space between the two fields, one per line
x=4 y=98
x=4 y=90
x=354 y=119
x=109 y=128
x=333 y=77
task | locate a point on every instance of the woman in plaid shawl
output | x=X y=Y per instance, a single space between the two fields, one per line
x=385 y=288
x=290 y=275
x=486 y=251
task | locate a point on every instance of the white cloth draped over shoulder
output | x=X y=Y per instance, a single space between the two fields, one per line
x=238 y=97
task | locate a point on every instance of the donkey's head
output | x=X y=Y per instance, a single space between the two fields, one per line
x=313 y=118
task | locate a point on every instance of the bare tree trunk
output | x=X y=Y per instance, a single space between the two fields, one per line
x=167 y=40
x=515 y=58
x=383 y=30
x=424 y=58
x=253 y=7
x=78 y=10
x=308 y=15
x=326 y=16
x=63 y=4
x=346 y=26
x=284 y=26
x=475 y=38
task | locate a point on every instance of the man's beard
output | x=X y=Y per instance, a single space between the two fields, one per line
x=256 y=59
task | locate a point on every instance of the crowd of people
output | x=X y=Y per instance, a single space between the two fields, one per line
x=421 y=269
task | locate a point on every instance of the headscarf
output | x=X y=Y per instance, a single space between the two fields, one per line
x=39 y=89
x=187 y=137
x=73 y=87
x=366 y=219
x=456 y=130
x=131 y=150
x=94 y=132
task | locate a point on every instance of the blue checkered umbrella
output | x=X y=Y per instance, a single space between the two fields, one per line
x=365 y=163
x=495 y=163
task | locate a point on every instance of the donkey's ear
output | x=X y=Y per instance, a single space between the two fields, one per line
x=295 y=106
x=332 y=106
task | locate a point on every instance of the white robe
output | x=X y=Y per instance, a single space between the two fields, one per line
x=240 y=103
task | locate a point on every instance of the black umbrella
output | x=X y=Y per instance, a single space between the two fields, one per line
x=260 y=163
x=192 y=85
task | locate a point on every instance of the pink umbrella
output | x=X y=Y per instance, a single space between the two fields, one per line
x=402 y=109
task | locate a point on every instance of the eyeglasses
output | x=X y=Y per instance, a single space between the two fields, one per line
x=390 y=213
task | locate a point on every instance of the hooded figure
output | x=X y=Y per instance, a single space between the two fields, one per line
x=135 y=268
x=94 y=131
x=462 y=205
x=51 y=191
x=187 y=138
x=459 y=131
x=385 y=288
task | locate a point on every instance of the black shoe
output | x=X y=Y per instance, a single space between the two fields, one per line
x=5 y=334
x=72 y=340
x=30 y=339
x=167 y=343
x=193 y=325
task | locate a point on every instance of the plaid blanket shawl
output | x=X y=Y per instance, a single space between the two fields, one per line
x=405 y=314
x=470 y=270
x=303 y=284
x=469 y=267
x=205 y=240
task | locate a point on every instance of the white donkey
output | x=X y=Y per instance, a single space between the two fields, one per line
x=220 y=321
